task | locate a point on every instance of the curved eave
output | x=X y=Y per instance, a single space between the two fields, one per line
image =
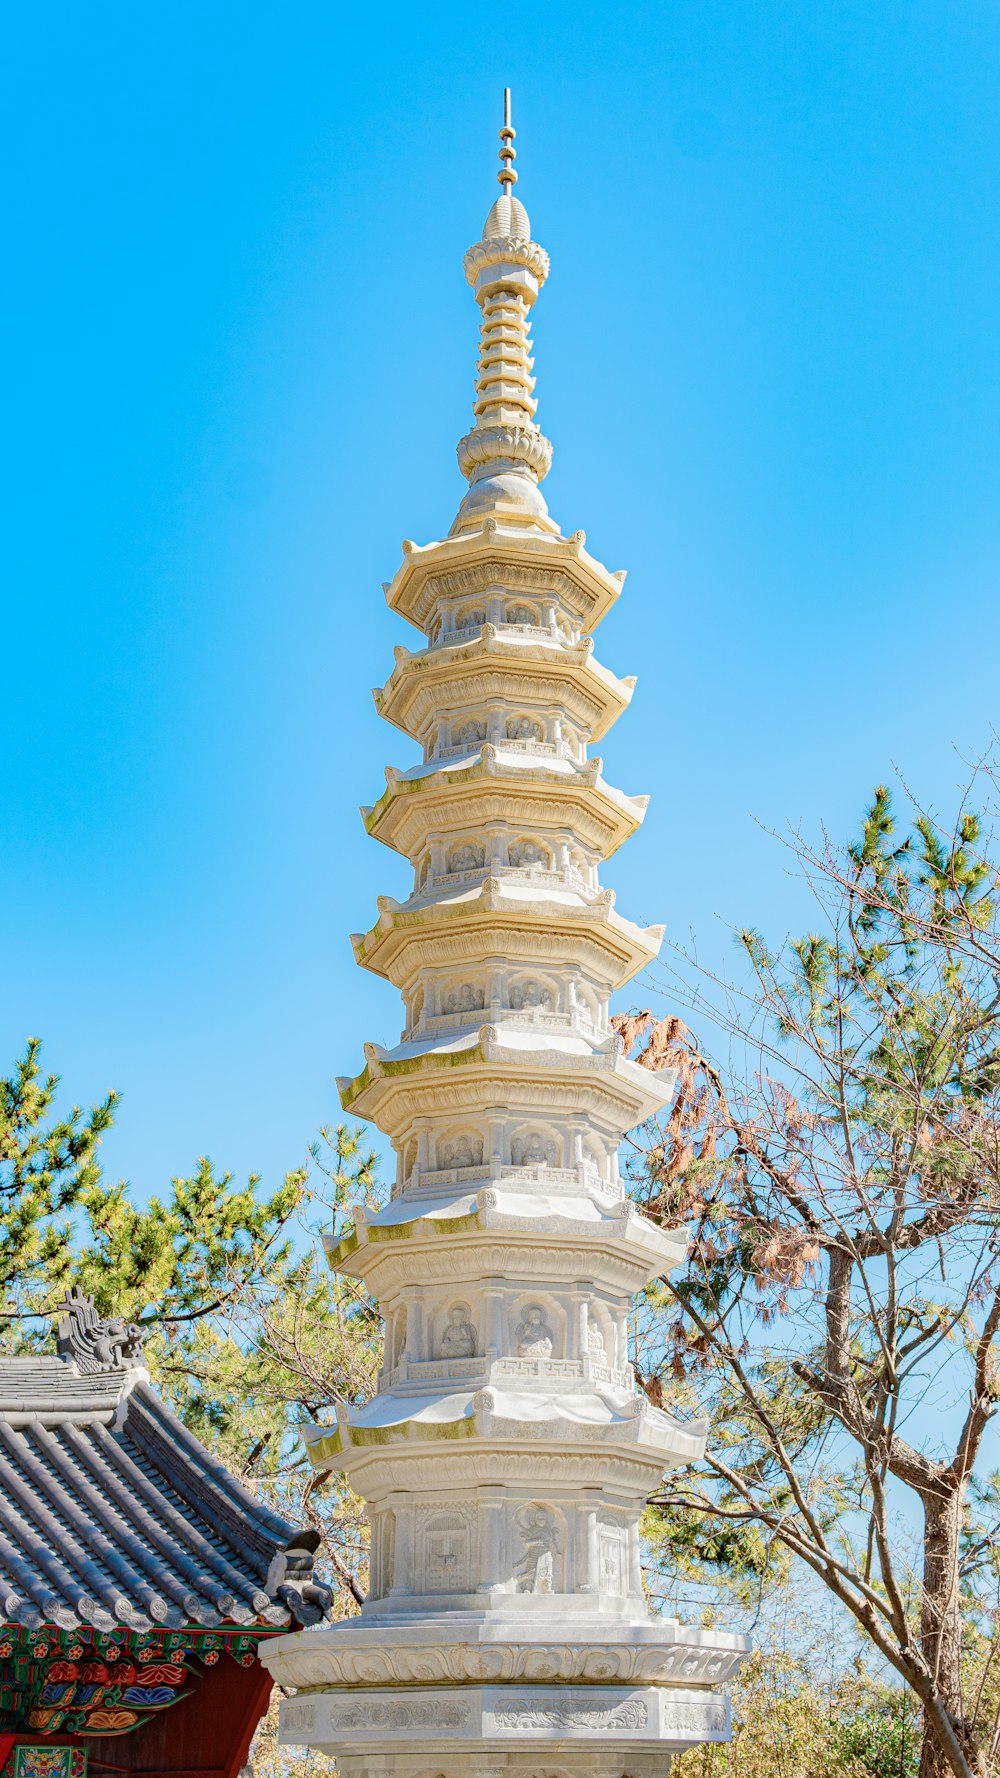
x=410 y=807
x=379 y=949
x=641 y=1093
x=413 y=592
x=637 y=1241
x=644 y=1432
x=420 y=676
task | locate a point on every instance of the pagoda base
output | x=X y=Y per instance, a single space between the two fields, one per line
x=589 y=1731
x=514 y=1647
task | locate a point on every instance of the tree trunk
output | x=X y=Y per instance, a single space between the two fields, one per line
x=941 y=1629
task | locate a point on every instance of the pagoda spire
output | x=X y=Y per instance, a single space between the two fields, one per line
x=505 y=455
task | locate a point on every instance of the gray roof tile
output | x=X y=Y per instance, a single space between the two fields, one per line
x=112 y=1513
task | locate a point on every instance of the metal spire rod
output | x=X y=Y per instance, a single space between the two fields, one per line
x=508 y=153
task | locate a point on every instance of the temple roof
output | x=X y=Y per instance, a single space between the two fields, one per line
x=112 y=1514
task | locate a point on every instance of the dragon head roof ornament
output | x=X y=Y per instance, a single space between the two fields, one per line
x=94 y=1343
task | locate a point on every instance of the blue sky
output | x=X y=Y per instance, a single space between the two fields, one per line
x=239 y=352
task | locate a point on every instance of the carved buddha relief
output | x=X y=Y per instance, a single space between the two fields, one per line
x=532 y=1149
x=524 y=728
x=595 y=1339
x=466 y=997
x=535 y=1570
x=525 y=852
x=533 y=1333
x=466 y=857
x=462 y=1150
x=458 y=1337
x=471 y=732
x=525 y=995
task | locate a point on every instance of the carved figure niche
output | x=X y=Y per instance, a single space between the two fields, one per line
x=464 y=997
x=538 y=1567
x=594 y=1157
x=525 y=852
x=526 y=995
x=470 y=619
x=587 y=1003
x=524 y=728
x=530 y=1148
x=595 y=1338
x=458 y=1336
x=533 y=1334
x=471 y=732
x=521 y=614
x=463 y=1148
x=612 y=1558
x=467 y=856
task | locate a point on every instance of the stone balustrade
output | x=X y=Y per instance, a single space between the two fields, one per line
x=567 y=878
x=531 y=1018
x=530 y=633
x=490 y=1369
x=585 y=1177
x=510 y=744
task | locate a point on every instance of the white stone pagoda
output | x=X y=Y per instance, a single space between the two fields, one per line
x=507 y=1454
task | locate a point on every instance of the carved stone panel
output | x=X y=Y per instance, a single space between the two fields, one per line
x=383 y=1543
x=612 y=1559
x=444 y=1550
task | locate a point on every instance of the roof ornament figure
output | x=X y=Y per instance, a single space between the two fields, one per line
x=505 y=456
x=93 y=1344
x=290 y=1579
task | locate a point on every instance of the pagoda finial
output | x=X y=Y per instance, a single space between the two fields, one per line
x=508 y=153
x=505 y=456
